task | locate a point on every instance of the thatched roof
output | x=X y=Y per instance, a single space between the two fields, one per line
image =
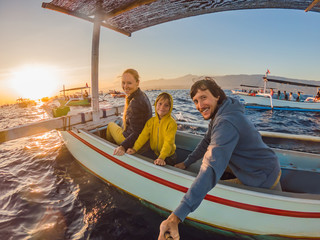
x=128 y=16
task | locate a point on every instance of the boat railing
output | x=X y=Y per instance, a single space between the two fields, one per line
x=311 y=99
x=267 y=95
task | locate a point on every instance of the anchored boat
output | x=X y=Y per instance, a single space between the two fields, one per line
x=117 y=94
x=25 y=102
x=267 y=101
x=69 y=100
x=75 y=96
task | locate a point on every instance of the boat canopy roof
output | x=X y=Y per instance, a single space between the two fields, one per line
x=128 y=16
x=250 y=86
x=292 y=83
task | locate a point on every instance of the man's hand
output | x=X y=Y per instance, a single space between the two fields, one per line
x=180 y=165
x=131 y=151
x=170 y=225
x=160 y=162
x=119 y=151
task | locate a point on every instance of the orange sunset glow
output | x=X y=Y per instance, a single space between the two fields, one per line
x=35 y=82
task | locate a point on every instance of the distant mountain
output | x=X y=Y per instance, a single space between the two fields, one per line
x=225 y=82
x=184 y=82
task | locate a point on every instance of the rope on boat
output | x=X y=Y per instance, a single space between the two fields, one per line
x=264 y=133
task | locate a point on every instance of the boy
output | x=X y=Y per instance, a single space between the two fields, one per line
x=161 y=130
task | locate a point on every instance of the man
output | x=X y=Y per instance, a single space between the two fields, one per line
x=231 y=140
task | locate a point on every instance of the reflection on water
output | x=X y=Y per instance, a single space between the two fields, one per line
x=52 y=225
x=45 y=194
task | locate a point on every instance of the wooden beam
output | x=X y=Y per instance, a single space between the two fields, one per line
x=82 y=16
x=128 y=7
x=315 y=2
x=60 y=123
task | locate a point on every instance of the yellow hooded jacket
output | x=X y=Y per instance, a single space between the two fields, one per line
x=161 y=133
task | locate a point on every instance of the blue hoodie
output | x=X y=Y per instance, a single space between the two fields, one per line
x=231 y=140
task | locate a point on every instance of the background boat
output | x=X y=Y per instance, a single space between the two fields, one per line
x=117 y=94
x=78 y=96
x=264 y=100
x=69 y=102
x=25 y=102
x=267 y=102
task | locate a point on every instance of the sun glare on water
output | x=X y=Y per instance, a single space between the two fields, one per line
x=35 y=82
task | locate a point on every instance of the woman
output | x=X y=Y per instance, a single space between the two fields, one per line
x=136 y=113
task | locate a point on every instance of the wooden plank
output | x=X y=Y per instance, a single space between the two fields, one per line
x=128 y=7
x=82 y=16
x=30 y=129
x=315 y=2
x=60 y=123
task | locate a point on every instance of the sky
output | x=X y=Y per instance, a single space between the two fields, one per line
x=41 y=50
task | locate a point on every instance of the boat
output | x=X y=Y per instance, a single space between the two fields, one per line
x=25 y=102
x=68 y=102
x=265 y=100
x=78 y=96
x=295 y=212
x=117 y=94
x=246 y=90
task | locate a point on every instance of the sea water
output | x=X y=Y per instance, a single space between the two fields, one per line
x=46 y=194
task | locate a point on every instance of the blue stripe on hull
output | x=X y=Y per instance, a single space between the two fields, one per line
x=286 y=109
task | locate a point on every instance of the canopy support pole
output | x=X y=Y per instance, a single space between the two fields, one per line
x=265 y=78
x=95 y=69
x=265 y=86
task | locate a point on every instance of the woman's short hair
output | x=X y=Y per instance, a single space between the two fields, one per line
x=133 y=72
x=208 y=84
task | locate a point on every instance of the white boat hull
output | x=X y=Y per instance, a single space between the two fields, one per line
x=264 y=102
x=230 y=207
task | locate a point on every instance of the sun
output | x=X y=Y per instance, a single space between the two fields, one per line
x=35 y=81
